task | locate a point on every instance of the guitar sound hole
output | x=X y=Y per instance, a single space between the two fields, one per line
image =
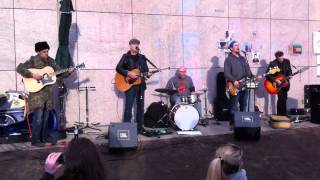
x=131 y=81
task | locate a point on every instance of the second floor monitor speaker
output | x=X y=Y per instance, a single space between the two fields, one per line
x=308 y=89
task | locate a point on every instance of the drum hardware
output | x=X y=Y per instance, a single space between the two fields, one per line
x=165 y=118
x=184 y=116
x=87 y=126
x=161 y=96
x=184 y=99
x=193 y=98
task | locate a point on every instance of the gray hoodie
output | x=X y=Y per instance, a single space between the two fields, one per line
x=184 y=86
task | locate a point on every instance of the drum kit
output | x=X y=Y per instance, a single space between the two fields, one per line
x=184 y=115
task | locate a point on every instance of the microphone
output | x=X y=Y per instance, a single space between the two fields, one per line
x=137 y=48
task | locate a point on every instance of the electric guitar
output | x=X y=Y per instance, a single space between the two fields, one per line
x=232 y=90
x=274 y=88
x=49 y=77
x=124 y=83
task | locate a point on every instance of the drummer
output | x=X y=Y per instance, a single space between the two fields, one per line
x=183 y=84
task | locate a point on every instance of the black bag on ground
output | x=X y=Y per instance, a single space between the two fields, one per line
x=153 y=115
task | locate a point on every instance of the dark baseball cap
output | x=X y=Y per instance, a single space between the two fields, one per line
x=134 y=41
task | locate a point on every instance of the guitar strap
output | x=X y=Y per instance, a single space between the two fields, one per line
x=152 y=63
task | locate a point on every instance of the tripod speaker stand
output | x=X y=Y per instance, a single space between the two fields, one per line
x=86 y=89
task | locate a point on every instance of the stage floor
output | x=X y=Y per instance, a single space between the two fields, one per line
x=279 y=154
x=98 y=137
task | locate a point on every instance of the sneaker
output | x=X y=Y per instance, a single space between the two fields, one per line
x=52 y=140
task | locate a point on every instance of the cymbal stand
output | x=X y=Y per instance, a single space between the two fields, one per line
x=86 y=89
x=167 y=114
x=205 y=120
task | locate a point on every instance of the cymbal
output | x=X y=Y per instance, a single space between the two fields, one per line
x=203 y=89
x=160 y=95
x=166 y=90
x=198 y=93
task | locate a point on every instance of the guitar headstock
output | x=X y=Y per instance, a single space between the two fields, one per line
x=274 y=70
x=80 y=66
x=303 y=69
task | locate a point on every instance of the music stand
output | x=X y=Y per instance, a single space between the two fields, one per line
x=86 y=89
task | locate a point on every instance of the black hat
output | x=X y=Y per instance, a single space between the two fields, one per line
x=134 y=41
x=39 y=46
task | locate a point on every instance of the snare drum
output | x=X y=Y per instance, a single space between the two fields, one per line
x=193 y=98
x=184 y=116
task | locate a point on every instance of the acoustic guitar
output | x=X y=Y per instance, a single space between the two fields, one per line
x=124 y=83
x=274 y=88
x=232 y=90
x=49 y=77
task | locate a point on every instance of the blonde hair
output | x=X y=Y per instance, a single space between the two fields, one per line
x=228 y=160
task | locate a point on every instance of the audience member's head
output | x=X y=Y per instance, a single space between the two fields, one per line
x=82 y=161
x=227 y=162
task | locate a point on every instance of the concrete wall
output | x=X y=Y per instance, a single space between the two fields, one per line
x=172 y=33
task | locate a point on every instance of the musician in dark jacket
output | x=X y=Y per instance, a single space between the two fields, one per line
x=235 y=69
x=129 y=61
x=285 y=69
x=40 y=103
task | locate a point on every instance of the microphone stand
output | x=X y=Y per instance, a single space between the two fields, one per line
x=86 y=89
x=205 y=121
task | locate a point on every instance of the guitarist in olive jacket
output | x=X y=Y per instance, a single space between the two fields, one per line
x=41 y=102
x=285 y=69
x=129 y=61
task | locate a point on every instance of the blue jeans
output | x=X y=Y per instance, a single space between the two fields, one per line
x=242 y=99
x=40 y=119
x=134 y=94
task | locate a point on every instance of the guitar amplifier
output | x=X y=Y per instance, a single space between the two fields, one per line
x=247 y=125
x=123 y=135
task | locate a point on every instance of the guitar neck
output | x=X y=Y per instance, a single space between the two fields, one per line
x=59 y=72
x=152 y=72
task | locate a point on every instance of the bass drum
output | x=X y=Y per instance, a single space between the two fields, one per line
x=184 y=116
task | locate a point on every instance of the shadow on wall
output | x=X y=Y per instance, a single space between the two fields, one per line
x=73 y=38
x=211 y=79
x=72 y=81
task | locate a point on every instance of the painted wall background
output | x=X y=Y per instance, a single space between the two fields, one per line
x=172 y=33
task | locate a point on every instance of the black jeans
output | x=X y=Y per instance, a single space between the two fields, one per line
x=40 y=119
x=134 y=94
x=282 y=101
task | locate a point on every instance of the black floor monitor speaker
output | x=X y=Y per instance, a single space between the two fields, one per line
x=315 y=105
x=123 y=135
x=308 y=89
x=247 y=125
